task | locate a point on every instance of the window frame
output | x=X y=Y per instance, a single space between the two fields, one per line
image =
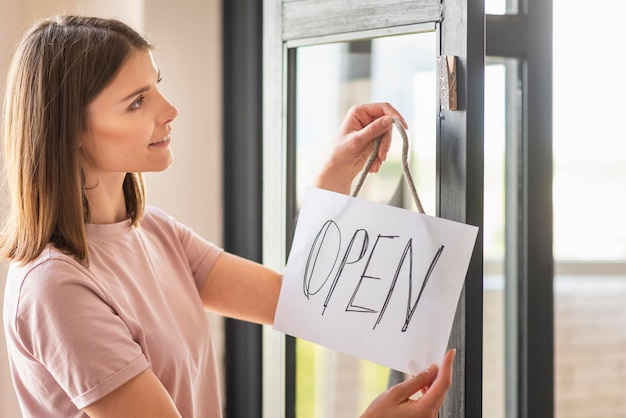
x=529 y=265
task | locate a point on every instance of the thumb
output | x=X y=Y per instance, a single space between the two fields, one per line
x=373 y=130
x=416 y=383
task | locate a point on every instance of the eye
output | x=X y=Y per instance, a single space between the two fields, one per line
x=136 y=104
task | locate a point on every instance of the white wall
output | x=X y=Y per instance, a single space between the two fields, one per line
x=187 y=36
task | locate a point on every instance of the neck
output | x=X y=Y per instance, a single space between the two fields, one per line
x=106 y=203
x=109 y=214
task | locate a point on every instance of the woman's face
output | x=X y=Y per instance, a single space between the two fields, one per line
x=128 y=124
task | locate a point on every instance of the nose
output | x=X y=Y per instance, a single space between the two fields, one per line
x=173 y=112
x=169 y=112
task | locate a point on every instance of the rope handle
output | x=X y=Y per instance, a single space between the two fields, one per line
x=405 y=165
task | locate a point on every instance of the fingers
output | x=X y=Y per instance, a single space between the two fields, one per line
x=377 y=127
x=397 y=400
x=436 y=393
x=434 y=381
x=368 y=112
x=354 y=143
x=416 y=383
x=381 y=127
x=374 y=120
x=447 y=365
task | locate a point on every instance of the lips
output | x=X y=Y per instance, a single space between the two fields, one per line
x=161 y=141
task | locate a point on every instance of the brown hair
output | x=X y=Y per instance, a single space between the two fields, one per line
x=60 y=66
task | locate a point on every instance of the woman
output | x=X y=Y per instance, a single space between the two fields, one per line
x=105 y=299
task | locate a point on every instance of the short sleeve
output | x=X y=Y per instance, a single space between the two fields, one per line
x=64 y=321
x=199 y=252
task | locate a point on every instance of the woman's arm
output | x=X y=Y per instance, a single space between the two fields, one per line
x=141 y=397
x=239 y=288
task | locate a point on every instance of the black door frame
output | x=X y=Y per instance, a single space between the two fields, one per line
x=527 y=37
x=243 y=167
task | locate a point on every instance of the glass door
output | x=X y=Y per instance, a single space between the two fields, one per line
x=320 y=57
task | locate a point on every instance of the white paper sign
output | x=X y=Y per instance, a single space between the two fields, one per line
x=374 y=281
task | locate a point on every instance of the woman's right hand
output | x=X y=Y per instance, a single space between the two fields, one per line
x=353 y=144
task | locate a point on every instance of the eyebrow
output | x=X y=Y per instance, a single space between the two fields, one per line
x=141 y=90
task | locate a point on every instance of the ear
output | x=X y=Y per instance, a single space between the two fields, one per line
x=82 y=138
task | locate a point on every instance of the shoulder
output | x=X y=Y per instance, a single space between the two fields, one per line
x=39 y=278
x=50 y=263
x=36 y=288
x=160 y=223
x=156 y=217
x=155 y=214
x=161 y=226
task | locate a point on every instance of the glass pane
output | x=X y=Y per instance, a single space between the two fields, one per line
x=494 y=242
x=501 y=7
x=589 y=208
x=330 y=78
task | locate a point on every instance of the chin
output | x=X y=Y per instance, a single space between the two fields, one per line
x=163 y=167
x=165 y=164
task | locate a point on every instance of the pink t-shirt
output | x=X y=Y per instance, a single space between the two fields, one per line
x=75 y=334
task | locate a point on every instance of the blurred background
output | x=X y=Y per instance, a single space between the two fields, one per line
x=589 y=179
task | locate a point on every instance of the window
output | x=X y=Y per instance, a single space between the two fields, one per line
x=589 y=222
x=331 y=77
x=501 y=106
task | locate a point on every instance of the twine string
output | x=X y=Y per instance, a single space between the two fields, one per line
x=405 y=166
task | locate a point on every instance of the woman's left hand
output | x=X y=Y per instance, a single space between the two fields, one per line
x=397 y=402
x=354 y=143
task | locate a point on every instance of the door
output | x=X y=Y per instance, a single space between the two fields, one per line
x=319 y=57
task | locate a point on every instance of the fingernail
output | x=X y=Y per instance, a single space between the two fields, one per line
x=386 y=121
